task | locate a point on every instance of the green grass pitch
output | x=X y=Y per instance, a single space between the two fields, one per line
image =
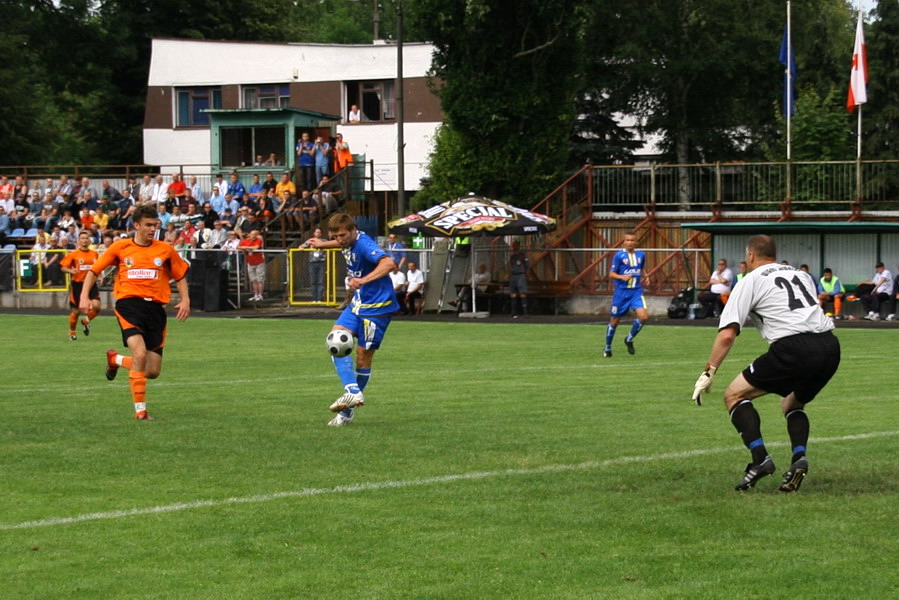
x=491 y=460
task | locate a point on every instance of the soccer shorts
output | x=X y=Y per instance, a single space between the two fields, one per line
x=801 y=364
x=141 y=317
x=626 y=300
x=75 y=293
x=518 y=284
x=369 y=330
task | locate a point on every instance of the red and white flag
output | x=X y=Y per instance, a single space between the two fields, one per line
x=858 y=78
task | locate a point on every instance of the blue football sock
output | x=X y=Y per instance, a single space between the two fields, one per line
x=635 y=329
x=362 y=377
x=346 y=370
x=610 y=335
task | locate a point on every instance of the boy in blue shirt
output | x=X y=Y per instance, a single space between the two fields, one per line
x=627 y=272
x=368 y=314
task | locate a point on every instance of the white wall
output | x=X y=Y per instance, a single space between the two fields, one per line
x=181 y=147
x=378 y=143
x=199 y=62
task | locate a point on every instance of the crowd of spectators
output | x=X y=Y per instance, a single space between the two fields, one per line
x=189 y=219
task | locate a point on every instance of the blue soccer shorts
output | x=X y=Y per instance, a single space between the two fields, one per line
x=626 y=300
x=369 y=330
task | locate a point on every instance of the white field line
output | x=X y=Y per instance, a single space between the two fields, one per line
x=385 y=485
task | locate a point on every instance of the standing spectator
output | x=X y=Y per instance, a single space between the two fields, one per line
x=160 y=191
x=52 y=274
x=306 y=162
x=802 y=357
x=831 y=290
x=4 y=223
x=395 y=249
x=178 y=188
x=343 y=158
x=255 y=258
x=133 y=187
x=881 y=286
x=720 y=283
x=316 y=267
x=321 y=152
x=415 y=285
x=147 y=187
x=217 y=201
x=140 y=302
x=518 y=279
x=77 y=263
x=195 y=189
x=237 y=190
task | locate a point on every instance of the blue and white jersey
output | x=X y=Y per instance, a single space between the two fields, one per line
x=375 y=297
x=629 y=263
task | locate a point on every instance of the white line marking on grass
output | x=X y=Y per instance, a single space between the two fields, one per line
x=385 y=485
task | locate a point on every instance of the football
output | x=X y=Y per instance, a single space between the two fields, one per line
x=340 y=343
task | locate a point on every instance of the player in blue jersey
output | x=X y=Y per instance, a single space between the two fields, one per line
x=368 y=314
x=627 y=272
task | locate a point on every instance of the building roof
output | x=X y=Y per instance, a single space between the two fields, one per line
x=784 y=227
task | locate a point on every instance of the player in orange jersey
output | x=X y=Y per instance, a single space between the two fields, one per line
x=142 y=291
x=77 y=263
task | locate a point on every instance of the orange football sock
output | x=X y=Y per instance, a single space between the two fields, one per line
x=123 y=361
x=837 y=305
x=138 y=382
x=92 y=314
x=73 y=320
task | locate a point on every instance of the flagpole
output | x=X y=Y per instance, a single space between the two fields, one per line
x=789 y=106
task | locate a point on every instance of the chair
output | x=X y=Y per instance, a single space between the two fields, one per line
x=31 y=232
x=9 y=247
x=18 y=232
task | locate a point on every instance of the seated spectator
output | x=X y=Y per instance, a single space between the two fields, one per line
x=218 y=200
x=192 y=215
x=256 y=192
x=329 y=194
x=285 y=184
x=355 y=115
x=201 y=236
x=236 y=189
x=720 y=283
x=171 y=234
x=109 y=193
x=463 y=297
x=230 y=246
x=831 y=290
x=209 y=216
x=101 y=219
x=228 y=219
x=272 y=161
x=309 y=209
x=178 y=219
x=398 y=278
x=4 y=224
x=217 y=235
x=415 y=284
x=291 y=214
x=177 y=188
x=164 y=216
x=117 y=221
x=873 y=292
x=266 y=211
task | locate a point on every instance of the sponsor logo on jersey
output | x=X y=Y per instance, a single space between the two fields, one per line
x=142 y=274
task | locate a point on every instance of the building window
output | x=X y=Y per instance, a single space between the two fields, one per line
x=266 y=96
x=191 y=103
x=375 y=99
x=245 y=146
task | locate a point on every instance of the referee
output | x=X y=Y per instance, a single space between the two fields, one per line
x=802 y=357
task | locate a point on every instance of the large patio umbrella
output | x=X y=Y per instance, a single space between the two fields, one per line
x=472 y=215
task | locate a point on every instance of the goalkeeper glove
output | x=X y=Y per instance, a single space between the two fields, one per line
x=703 y=384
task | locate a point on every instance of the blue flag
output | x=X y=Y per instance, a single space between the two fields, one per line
x=791 y=80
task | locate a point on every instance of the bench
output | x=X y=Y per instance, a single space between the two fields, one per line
x=543 y=296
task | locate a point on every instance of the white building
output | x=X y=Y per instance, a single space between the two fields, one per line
x=263 y=95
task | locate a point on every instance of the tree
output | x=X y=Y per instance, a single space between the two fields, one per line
x=505 y=72
x=880 y=124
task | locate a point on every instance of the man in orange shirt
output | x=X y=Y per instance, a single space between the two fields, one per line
x=77 y=263
x=142 y=291
x=252 y=246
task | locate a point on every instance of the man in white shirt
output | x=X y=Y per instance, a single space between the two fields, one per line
x=415 y=283
x=720 y=283
x=802 y=357
x=399 y=287
x=883 y=286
